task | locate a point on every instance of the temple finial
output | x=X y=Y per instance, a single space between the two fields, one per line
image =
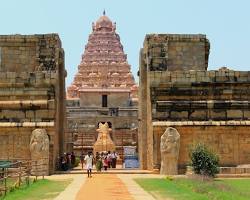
x=104 y=12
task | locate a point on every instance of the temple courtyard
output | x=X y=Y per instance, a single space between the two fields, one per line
x=133 y=186
x=156 y=105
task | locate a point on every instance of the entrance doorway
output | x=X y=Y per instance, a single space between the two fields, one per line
x=104 y=100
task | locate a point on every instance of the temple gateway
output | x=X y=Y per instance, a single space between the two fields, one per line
x=103 y=91
x=179 y=102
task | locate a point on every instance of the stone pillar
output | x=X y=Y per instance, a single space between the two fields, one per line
x=145 y=135
x=149 y=124
x=142 y=114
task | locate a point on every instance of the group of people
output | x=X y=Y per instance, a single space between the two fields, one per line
x=103 y=160
x=67 y=161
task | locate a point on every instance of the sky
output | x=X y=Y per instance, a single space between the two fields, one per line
x=225 y=22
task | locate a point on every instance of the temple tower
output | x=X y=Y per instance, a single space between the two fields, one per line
x=104 y=67
x=103 y=90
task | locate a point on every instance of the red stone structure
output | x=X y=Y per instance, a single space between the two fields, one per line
x=104 y=64
x=103 y=90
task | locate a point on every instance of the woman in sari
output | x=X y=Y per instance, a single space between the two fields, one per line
x=98 y=162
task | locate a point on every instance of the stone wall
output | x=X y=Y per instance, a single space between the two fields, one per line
x=200 y=95
x=210 y=106
x=32 y=94
x=176 y=52
x=231 y=141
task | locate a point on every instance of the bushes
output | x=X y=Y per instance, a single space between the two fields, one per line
x=204 y=161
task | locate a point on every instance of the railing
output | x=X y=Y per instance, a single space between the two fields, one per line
x=16 y=174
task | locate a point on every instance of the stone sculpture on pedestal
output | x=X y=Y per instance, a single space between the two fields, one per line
x=170 y=145
x=39 y=150
x=104 y=141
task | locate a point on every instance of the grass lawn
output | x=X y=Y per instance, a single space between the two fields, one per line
x=42 y=189
x=196 y=189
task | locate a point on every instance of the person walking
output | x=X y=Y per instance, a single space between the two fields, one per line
x=105 y=162
x=64 y=162
x=82 y=159
x=114 y=158
x=73 y=159
x=98 y=162
x=109 y=159
x=89 y=163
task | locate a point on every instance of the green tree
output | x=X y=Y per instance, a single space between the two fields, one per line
x=203 y=160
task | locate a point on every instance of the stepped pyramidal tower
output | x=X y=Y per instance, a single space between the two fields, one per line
x=103 y=90
x=104 y=65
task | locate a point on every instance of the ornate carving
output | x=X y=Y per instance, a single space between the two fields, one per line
x=39 y=150
x=104 y=141
x=170 y=145
x=103 y=57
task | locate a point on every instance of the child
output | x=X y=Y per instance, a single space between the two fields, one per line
x=105 y=163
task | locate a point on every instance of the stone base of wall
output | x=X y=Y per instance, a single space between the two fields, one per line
x=235 y=170
x=15 y=141
x=231 y=143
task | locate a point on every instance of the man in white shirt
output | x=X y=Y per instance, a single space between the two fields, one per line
x=89 y=163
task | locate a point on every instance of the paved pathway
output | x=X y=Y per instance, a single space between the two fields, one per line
x=135 y=190
x=104 y=187
x=70 y=192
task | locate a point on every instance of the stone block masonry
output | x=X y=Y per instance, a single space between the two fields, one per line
x=200 y=95
x=176 y=90
x=32 y=94
x=176 y=52
x=230 y=140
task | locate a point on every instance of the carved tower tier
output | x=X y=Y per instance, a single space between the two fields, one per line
x=104 y=64
x=103 y=90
